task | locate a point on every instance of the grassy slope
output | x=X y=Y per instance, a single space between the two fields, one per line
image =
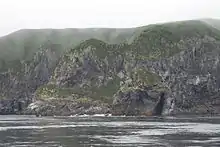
x=163 y=40
x=160 y=39
x=24 y=43
x=213 y=22
x=146 y=41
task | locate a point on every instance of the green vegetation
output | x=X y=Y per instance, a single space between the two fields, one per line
x=24 y=43
x=103 y=94
x=2 y=97
x=106 y=92
x=142 y=77
x=129 y=88
x=164 y=40
x=155 y=41
x=146 y=77
x=100 y=48
x=212 y=22
x=148 y=42
x=48 y=91
x=84 y=101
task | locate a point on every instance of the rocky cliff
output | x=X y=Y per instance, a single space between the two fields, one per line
x=20 y=81
x=166 y=69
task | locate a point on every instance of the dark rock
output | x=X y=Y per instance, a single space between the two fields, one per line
x=137 y=101
x=158 y=109
x=17 y=87
x=193 y=78
x=67 y=107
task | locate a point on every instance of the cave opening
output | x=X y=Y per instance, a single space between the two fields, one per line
x=158 y=109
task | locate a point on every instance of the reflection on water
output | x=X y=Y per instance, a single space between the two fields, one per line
x=109 y=131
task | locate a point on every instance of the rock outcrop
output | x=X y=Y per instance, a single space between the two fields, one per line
x=193 y=78
x=139 y=101
x=167 y=69
x=67 y=107
x=19 y=84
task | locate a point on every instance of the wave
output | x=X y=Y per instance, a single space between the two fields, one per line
x=40 y=127
x=85 y=115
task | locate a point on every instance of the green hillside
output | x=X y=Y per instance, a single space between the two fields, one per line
x=213 y=22
x=24 y=43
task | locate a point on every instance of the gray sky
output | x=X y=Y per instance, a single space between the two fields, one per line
x=19 y=14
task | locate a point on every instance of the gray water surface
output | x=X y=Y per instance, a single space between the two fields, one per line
x=28 y=131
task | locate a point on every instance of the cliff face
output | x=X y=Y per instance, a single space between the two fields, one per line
x=167 y=69
x=97 y=71
x=192 y=76
x=19 y=84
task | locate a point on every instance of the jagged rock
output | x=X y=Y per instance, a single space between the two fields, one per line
x=138 y=101
x=67 y=107
x=193 y=78
x=18 y=86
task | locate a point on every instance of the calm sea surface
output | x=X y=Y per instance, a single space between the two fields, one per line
x=92 y=131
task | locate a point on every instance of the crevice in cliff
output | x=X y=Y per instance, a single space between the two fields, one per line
x=158 y=109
